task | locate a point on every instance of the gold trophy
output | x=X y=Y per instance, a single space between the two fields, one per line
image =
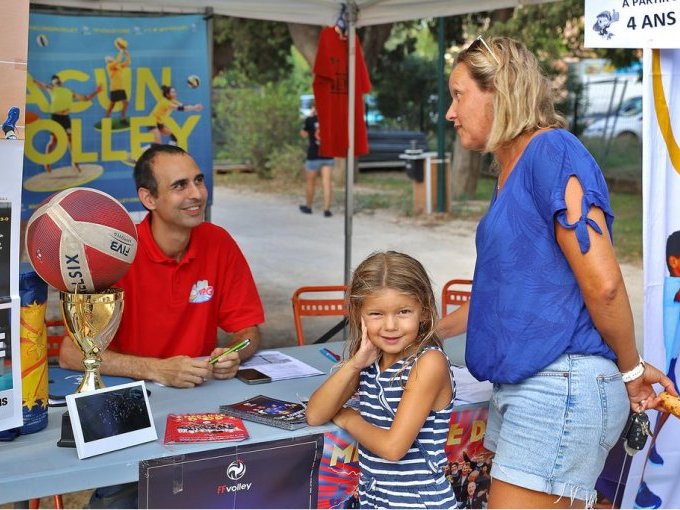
x=91 y=320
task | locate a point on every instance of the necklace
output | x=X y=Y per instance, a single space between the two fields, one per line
x=499 y=186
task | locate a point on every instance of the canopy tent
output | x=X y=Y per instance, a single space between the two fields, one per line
x=311 y=12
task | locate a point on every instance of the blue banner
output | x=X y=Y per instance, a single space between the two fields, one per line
x=101 y=89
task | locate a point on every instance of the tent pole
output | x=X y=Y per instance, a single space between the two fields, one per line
x=442 y=206
x=349 y=175
x=209 y=18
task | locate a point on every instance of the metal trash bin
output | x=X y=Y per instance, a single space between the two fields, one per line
x=415 y=164
x=423 y=169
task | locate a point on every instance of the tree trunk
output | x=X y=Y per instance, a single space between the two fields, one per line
x=222 y=55
x=502 y=15
x=466 y=169
x=372 y=39
x=306 y=39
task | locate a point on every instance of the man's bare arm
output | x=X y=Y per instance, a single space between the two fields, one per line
x=177 y=371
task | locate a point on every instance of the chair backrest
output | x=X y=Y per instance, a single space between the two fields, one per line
x=455 y=293
x=317 y=300
x=55 y=335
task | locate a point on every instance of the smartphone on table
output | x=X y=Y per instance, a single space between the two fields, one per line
x=252 y=376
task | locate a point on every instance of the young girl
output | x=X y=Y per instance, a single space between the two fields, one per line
x=405 y=384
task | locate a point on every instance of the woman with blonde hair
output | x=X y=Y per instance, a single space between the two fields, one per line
x=549 y=322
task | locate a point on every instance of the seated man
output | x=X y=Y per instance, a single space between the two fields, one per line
x=188 y=278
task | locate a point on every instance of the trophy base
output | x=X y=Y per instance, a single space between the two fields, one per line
x=67 y=440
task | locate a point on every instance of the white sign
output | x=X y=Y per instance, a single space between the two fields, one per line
x=654 y=478
x=632 y=23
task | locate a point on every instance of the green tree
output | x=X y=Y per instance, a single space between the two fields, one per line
x=554 y=31
x=257 y=49
x=251 y=122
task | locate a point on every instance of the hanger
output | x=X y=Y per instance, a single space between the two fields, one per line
x=341 y=23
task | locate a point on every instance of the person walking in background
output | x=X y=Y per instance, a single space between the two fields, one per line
x=405 y=383
x=315 y=165
x=549 y=322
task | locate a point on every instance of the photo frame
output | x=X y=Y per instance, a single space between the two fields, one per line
x=111 y=418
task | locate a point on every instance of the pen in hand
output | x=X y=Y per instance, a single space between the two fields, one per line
x=234 y=348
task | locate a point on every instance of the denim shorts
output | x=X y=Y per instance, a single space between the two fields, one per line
x=552 y=432
x=314 y=165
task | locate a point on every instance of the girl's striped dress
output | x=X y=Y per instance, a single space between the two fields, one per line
x=417 y=480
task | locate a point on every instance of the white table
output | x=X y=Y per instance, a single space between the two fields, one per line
x=33 y=466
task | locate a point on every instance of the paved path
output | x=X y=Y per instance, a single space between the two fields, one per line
x=287 y=249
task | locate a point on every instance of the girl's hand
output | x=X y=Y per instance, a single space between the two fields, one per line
x=344 y=414
x=367 y=352
x=640 y=392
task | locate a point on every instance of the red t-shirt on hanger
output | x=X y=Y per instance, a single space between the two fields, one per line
x=331 y=69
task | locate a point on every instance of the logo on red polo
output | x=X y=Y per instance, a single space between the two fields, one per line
x=201 y=292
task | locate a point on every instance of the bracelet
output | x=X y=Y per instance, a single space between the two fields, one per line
x=634 y=373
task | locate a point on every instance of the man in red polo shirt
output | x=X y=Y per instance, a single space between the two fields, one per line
x=188 y=278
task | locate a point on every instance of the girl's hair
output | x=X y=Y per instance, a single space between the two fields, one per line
x=395 y=271
x=523 y=99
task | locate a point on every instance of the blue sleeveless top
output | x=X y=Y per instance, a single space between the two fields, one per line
x=526 y=308
x=417 y=480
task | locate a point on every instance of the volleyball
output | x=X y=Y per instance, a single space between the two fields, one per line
x=81 y=240
x=120 y=43
x=42 y=40
x=193 y=81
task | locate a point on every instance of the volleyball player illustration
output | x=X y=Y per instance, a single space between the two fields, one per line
x=164 y=108
x=61 y=102
x=115 y=69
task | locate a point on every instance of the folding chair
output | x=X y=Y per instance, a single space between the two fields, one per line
x=58 y=502
x=455 y=293
x=328 y=300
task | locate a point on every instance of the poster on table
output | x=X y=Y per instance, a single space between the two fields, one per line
x=12 y=98
x=102 y=89
x=273 y=474
x=631 y=24
x=11 y=154
x=654 y=476
x=339 y=469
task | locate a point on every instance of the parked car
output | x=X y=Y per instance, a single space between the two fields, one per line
x=625 y=124
x=373 y=116
x=385 y=146
x=306 y=101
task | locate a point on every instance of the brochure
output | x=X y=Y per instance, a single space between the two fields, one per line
x=269 y=411
x=280 y=366
x=203 y=427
